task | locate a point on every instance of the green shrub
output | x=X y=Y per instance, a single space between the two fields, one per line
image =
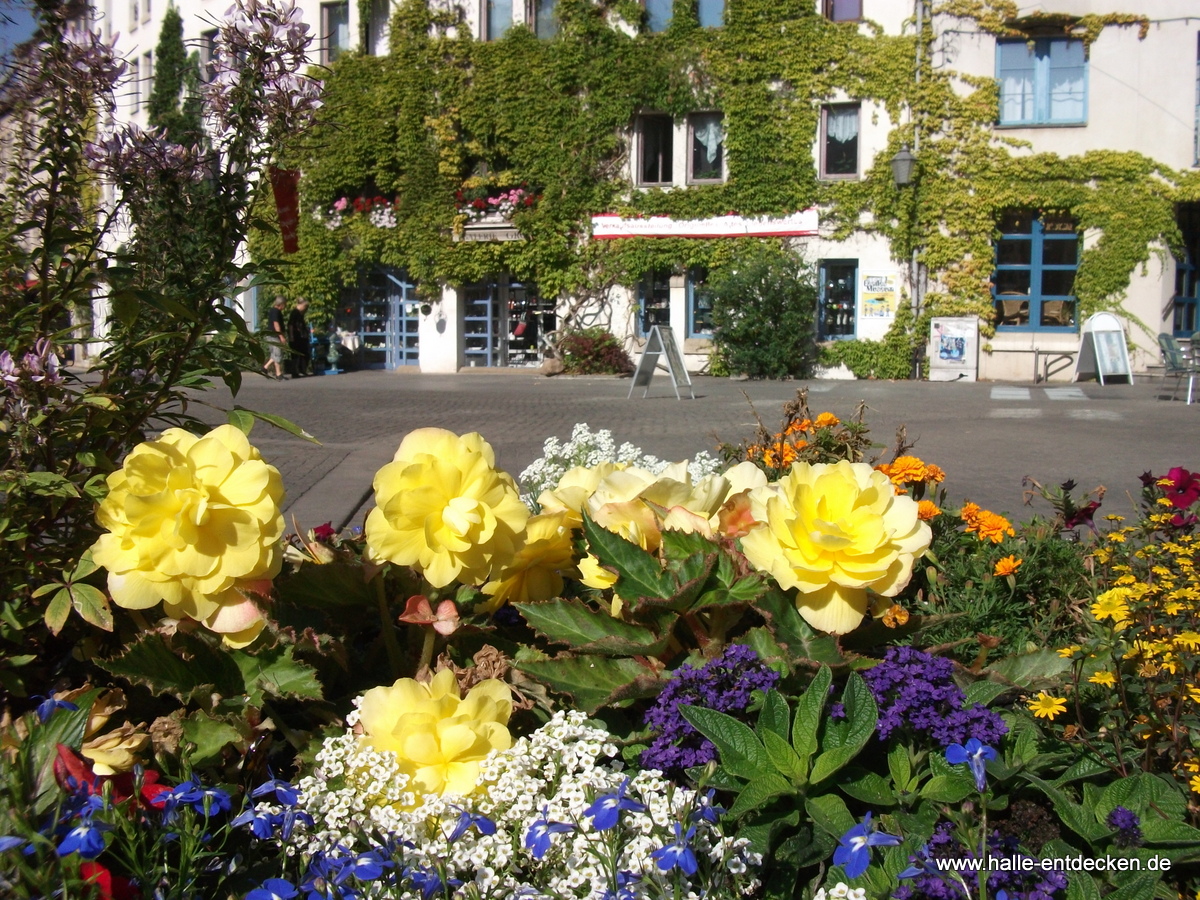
x=764 y=313
x=593 y=351
x=891 y=358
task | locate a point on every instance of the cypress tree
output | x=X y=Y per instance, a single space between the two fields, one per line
x=174 y=102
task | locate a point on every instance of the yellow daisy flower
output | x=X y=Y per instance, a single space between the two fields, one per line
x=1044 y=706
x=1108 y=679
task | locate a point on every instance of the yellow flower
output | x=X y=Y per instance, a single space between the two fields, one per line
x=442 y=507
x=1111 y=605
x=1047 y=707
x=834 y=532
x=1108 y=679
x=826 y=420
x=536 y=572
x=115 y=751
x=573 y=489
x=1194 y=784
x=439 y=738
x=193 y=522
x=1007 y=566
x=1068 y=652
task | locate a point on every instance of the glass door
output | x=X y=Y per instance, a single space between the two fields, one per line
x=483 y=330
x=836 y=319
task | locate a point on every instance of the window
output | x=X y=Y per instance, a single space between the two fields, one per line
x=836 y=317
x=839 y=141
x=208 y=54
x=706 y=137
x=497 y=18
x=1036 y=258
x=543 y=15
x=654 y=301
x=711 y=13
x=145 y=10
x=134 y=15
x=135 y=86
x=658 y=14
x=335 y=31
x=842 y=10
x=1187 y=273
x=147 y=74
x=1196 y=137
x=1042 y=82
x=699 y=300
x=655 y=137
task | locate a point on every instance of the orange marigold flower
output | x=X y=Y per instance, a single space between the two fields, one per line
x=907 y=470
x=797 y=426
x=800 y=445
x=826 y=420
x=969 y=512
x=934 y=474
x=992 y=527
x=1007 y=566
x=780 y=456
x=927 y=509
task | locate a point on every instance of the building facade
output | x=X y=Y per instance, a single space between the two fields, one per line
x=496 y=169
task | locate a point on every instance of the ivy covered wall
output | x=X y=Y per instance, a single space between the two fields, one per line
x=413 y=128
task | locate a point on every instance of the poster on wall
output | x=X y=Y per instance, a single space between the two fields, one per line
x=879 y=293
x=954 y=349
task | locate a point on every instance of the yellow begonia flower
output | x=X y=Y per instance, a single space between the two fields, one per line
x=114 y=751
x=834 y=532
x=442 y=507
x=536 y=571
x=573 y=489
x=193 y=522
x=439 y=738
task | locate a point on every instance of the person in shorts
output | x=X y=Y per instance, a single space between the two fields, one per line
x=275 y=340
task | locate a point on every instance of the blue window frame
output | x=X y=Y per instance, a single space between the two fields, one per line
x=654 y=301
x=1042 y=82
x=1036 y=260
x=1187 y=273
x=700 y=305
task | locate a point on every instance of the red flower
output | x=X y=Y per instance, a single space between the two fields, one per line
x=1184 y=489
x=479 y=203
x=360 y=204
x=108 y=885
x=324 y=532
x=418 y=611
x=74 y=773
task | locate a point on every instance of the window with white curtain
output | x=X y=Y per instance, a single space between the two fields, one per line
x=839 y=141
x=707 y=139
x=1042 y=82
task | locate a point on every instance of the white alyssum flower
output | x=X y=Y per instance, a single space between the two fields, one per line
x=359 y=801
x=841 y=891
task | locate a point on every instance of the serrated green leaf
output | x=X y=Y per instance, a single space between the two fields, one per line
x=829 y=813
x=790 y=629
x=947 y=789
x=775 y=715
x=684 y=544
x=1029 y=669
x=275 y=672
x=899 y=766
x=92 y=605
x=1082 y=886
x=280 y=422
x=240 y=419
x=638 y=572
x=1084 y=767
x=1140 y=793
x=783 y=757
x=587 y=630
x=758 y=792
x=592 y=680
x=1163 y=831
x=984 y=692
x=869 y=787
x=769 y=650
x=210 y=736
x=810 y=710
x=739 y=749
x=160 y=667
x=1080 y=820
x=1140 y=886
x=58 y=610
x=336 y=584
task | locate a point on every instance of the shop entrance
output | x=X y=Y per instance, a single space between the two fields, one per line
x=378 y=319
x=503 y=321
x=837 y=312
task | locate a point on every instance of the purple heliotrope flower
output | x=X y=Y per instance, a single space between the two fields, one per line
x=1128 y=827
x=725 y=684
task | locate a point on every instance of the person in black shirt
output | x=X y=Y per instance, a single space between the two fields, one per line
x=275 y=339
x=299 y=339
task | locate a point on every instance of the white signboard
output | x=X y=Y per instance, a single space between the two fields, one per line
x=954 y=348
x=661 y=343
x=1102 y=351
x=609 y=225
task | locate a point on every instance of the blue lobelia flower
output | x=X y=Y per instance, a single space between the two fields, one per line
x=284 y=792
x=707 y=809
x=49 y=705
x=537 y=838
x=273 y=889
x=365 y=867
x=975 y=754
x=428 y=882
x=854 y=850
x=605 y=812
x=627 y=883
x=465 y=822
x=262 y=822
x=86 y=839
x=204 y=800
x=10 y=842
x=678 y=855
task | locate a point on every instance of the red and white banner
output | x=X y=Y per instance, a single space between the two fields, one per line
x=608 y=226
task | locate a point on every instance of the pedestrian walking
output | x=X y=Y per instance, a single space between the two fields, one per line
x=275 y=340
x=299 y=339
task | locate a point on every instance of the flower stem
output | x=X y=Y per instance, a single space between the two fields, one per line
x=389 y=630
x=427 y=649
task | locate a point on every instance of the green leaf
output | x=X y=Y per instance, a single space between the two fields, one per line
x=49 y=484
x=85 y=567
x=1139 y=887
x=58 y=610
x=638 y=572
x=279 y=422
x=740 y=751
x=592 y=680
x=92 y=605
x=775 y=715
x=899 y=766
x=125 y=307
x=809 y=713
x=1141 y=793
x=829 y=813
x=274 y=672
x=758 y=792
x=783 y=757
x=1029 y=669
x=211 y=736
x=791 y=630
x=65 y=726
x=947 y=789
x=335 y=584
x=1084 y=767
x=869 y=787
x=1079 y=820
x=984 y=692
x=587 y=630
x=685 y=544
x=241 y=420
x=1080 y=886
x=1163 y=831
x=159 y=666
x=844 y=739
x=770 y=651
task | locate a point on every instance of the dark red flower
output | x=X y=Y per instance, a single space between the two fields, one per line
x=1184 y=489
x=108 y=885
x=324 y=532
x=1083 y=516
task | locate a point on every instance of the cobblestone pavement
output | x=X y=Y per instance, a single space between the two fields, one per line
x=986 y=436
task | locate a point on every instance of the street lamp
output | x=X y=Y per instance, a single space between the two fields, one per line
x=904 y=164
